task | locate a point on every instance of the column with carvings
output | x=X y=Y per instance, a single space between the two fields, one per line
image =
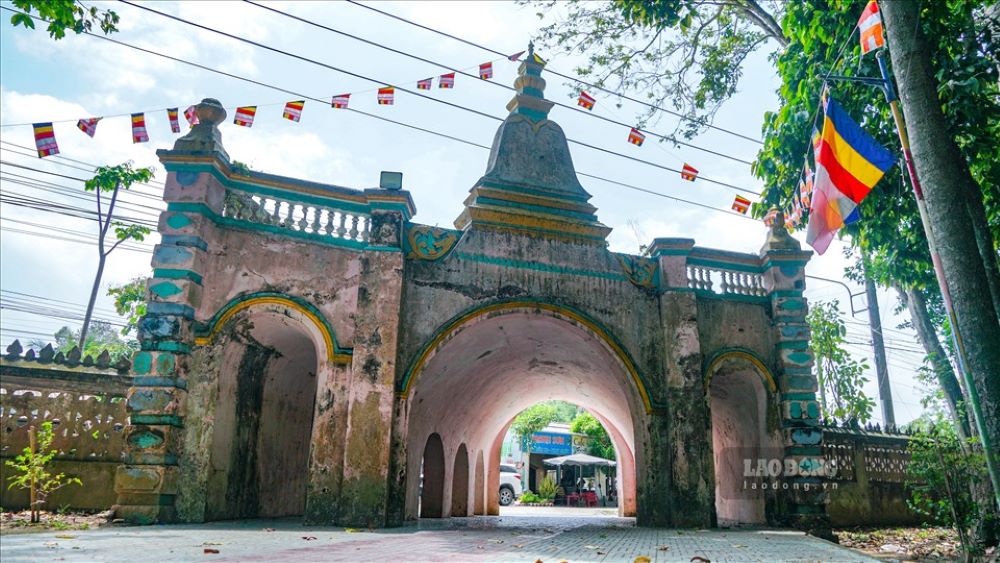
x=146 y=484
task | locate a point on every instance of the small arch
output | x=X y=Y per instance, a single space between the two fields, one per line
x=432 y=494
x=714 y=362
x=460 y=483
x=456 y=324
x=206 y=332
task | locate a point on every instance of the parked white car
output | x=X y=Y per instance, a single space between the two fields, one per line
x=510 y=484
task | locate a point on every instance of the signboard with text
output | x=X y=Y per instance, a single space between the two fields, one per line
x=551 y=443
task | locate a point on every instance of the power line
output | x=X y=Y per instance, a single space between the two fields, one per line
x=497 y=84
x=559 y=74
x=415 y=93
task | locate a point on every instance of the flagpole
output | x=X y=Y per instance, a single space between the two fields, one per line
x=992 y=463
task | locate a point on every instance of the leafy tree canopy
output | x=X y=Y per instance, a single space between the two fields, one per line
x=63 y=15
x=600 y=441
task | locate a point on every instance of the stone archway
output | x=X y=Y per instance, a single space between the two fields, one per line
x=744 y=429
x=433 y=477
x=472 y=383
x=460 y=483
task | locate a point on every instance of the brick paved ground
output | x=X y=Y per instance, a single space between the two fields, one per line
x=573 y=537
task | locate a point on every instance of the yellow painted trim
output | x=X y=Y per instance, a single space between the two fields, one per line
x=418 y=366
x=533 y=199
x=332 y=355
x=761 y=368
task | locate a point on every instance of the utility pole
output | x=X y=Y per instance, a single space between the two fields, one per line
x=878 y=344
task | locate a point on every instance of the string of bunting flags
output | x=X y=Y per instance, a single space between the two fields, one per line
x=244 y=116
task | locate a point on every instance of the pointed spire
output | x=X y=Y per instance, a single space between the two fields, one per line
x=530 y=98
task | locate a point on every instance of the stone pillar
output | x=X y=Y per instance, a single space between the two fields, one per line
x=147 y=482
x=680 y=448
x=784 y=279
x=365 y=489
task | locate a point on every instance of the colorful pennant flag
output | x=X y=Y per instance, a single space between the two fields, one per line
x=244 y=116
x=45 y=140
x=537 y=60
x=741 y=205
x=815 y=142
x=175 y=126
x=88 y=126
x=636 y=137
x=446 y=80
x=424 y=84
x=689 y=172
x=341 y=101
x=191 y=115
x=139 y=134
x=386 y=96
x=486 y=71
x=848 y=165
x=870 y=26
x=293 y=110
x=770 y=217
x=516 y=56
x=586 y=101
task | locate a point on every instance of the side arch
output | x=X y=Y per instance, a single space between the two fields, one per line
x=297 y=307
x=720 y=358
x=580 y=319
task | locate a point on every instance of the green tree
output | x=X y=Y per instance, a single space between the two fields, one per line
x=31 y=469
x=530 y=420
x=111 y=179
x=600 y=441
x=102 y=336
x=130 y=301
x=841 y=377
x=62 y=15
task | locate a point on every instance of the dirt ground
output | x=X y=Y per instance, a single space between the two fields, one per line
x=20 y=522
x=929 y=544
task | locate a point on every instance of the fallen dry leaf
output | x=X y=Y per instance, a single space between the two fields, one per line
x=351 y=530
x=268 y=529
x=662 y=548
x=211 y=550
x=64 y=537
x=701 y=559
x=641 y=559
x=739 y=545
x=308 y=538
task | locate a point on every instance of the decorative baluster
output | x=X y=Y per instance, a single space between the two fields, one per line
x=316 y=223
x=304 y=221
x=342 y=226
x=708 y=279
x=354 y=227
x=367 y=231
x=260 y=214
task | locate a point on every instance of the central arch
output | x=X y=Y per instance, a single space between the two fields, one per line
x=485 y=367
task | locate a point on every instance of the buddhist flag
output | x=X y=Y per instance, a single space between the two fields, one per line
x=446 y=80
x=139 y=134
x=175 y=126
x=424 y=84
x=771 y=216
x=191 y=115
x=293 y=110
x=586 y=101
x=516 y=56
x=870 y=26
x=689 y=172
x=486 y=71
x=341 y=101
x=849 y=163
x=741 y=205
x=815 y=142
x=636 y=137
x=88 y=126
x=244 y=116
x=386 y=96
x=45 y=140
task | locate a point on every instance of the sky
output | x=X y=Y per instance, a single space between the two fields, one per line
x=44 y=80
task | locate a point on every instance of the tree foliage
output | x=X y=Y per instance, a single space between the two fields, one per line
x=130 y=301
x=600 y=441
x=101 y=336
x=841 y=377
x=533 y=419
x=63 y=15
x=31 y=469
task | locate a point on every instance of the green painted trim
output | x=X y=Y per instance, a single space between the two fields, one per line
x=733 y=297
x=167 y=346
x=174 y=274
x=383 y=248
x=539 y=266
x=794 y=345
x=155 y=381
x=671 y=252
x=540 y=209
x=787 y=293
x=507 y=227
x=291 y=233
x=188 y=207
x=798 y=396
x=533 y=190
x=157 y=420
x=734 y=266
x=770 y=262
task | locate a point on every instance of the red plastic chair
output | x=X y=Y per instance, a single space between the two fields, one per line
x=573 y=499
x=590 y=498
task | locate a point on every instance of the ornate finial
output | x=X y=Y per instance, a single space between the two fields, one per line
x=778 y=237
x=205 y=136
x=530 y=98
x=531 y=48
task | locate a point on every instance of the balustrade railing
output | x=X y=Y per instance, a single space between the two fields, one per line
x=319 y=220
x=725 y=282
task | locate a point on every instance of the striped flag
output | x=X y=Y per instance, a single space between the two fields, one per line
x=191 y=115
x=870 y=26
x=424 y=84
x=486 y=71
x=815 y=142
x=293 y=110
x=770 y=217
x=172 y=116
x=244 y=116
x=139 y=134
x=586 y=101
x=537 y=60
x=341 y=101
x=446 y=80
x=45 y=140
x=386 y=96
x=88 y=126
x=516 y=56
x=689 y=172
x=636 y=137
x=741 y=204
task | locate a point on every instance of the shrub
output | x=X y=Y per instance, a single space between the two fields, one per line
x=31 y=469
x=547 y=490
